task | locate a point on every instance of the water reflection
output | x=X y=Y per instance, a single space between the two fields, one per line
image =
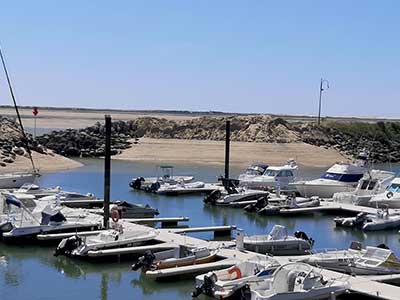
x=32 y=272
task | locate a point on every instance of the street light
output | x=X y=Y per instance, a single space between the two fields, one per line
x=321 y=89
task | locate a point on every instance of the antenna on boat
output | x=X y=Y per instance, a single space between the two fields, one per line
x=16 y=109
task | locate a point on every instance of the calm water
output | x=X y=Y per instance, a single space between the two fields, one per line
x=33 y=273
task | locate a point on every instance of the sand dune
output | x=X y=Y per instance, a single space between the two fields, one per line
x=242 y=154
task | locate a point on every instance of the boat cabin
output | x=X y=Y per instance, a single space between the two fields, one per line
x=344 y=173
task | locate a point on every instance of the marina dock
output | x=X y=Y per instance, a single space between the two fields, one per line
x=329 y=206
x=372 y=286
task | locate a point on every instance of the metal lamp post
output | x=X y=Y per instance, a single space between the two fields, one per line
x=321 y=89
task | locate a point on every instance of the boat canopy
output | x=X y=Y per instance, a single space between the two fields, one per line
x=51 y=215
x=10 y=200
x=278 y=232
x=342 y=177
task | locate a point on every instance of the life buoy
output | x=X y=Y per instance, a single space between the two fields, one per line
x=389 y=195
x=115 y=215
x=236 y=271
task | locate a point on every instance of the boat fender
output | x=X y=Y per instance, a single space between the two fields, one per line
x=115 y=215
x=236 y=271
x=389 y=195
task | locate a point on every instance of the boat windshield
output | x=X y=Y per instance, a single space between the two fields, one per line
x=342 y=177
x=272 y=173
x=368 y=185
x=254 y=171
x=394 y=188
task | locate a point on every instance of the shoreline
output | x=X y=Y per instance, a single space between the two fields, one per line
x=44 y=163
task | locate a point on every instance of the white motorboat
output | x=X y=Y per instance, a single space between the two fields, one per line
x=383 y=220
x=341 y=177
x=129 y=210
x=388 y=198
x=152 y=183
x=150 y=263
x=74 y=200
x=197 y=187
x=34 y=190
x=273 y=177
x=275 y=205
x=243 y=194
x=357 y=261
x=16 y=180
x=226 y=283
x=278 y=242
x=373 y=183
x=297 y=281
x=253 y=171
x=45 y=218
x=121 y=234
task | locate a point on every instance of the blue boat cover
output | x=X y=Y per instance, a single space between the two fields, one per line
x=14 y=201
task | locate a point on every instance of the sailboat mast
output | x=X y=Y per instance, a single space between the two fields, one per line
x=16 y=109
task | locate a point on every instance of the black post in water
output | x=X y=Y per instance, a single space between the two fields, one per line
x=227 y=148
x=107 y=170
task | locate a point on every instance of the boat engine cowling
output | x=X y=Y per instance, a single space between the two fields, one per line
x=67 y=245
x=137 y=183
x=212 y=197
x=154 y=187
x=304 y=236
x=145 y=262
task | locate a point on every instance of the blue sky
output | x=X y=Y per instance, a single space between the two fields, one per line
x=237 y=56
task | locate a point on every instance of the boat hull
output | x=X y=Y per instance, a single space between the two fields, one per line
x=13 y=181
x=309 y=189
x=284 y=247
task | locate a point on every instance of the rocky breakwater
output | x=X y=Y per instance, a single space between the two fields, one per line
x=12 y=143
x=382 y=140
x=90 y=141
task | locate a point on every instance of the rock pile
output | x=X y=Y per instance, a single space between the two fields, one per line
x=88 y=142
x=382 y=142
x=12 y=142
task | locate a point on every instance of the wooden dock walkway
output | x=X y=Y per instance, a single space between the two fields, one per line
x=369 y=286
x=330 y=206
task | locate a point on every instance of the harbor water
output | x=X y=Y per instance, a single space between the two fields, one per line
x=32 y=272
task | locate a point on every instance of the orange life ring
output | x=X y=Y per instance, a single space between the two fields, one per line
x=236 y=271
x=115 y=215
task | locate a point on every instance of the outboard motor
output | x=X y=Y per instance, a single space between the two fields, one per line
x=154 y=187
x=360 y=219
x=261 y=203
x=212 y=197
x=206 y=288
x=145 y=261
x=304 y=236
x=137 y=183
x=244 y=293
x=68 y=245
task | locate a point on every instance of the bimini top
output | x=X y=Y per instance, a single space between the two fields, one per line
x=344 y=173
